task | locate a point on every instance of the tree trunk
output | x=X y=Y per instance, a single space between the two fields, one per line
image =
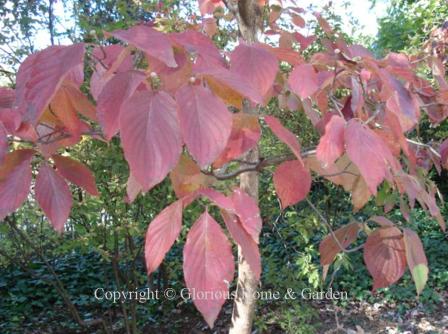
x=249 y=17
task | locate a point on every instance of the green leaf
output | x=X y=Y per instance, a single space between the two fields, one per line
x=420 y=276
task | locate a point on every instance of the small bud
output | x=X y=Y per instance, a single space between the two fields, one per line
x=92 y=32
x=192 y=80
x=153 y=75
x=337 y=51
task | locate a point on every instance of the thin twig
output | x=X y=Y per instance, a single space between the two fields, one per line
x=323 y=220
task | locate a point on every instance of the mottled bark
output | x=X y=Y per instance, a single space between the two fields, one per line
x=249 y=19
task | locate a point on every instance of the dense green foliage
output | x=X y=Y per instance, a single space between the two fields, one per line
x=408 y=24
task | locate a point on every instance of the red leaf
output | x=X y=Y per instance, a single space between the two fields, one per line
x=255 y=64
x=329 y=248
x=208 y=266
x=331 y=144
x=77 y=173
x=209 y=6
x=416 y=190
x=199 y=44
x=133 y=189
x=53 y=196
x=40 y=76
x=161 y=234
x=173 y=78
x=218 y=198
x=284 y=135
x=403 y=104
x=209 y=26
x=292 y=182
x=248 y=212
x=80 y=102
x=384 y=256
x=205 y=123
x=245 y=135
x=249 y=247
x=298 y=20
x=149 y=40
x=15 y=180
x=304 y=42
x=3 y=142
x=150 y=136
x=7 y=96
x=303 y=80
x=111 y=59
x=370 y=154
x=382 y=221
x=114 y=94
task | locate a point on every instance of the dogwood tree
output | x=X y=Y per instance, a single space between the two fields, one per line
x=186 y=110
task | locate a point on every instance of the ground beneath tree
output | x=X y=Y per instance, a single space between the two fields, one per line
x=355 y=318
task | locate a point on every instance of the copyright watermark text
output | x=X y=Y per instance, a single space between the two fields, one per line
x=146 y=294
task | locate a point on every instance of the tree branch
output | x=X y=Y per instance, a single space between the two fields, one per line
x=258 y=166
x=327 y=224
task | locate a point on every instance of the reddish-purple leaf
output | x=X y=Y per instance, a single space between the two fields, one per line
x=416 y=190
x=331 y=144
x=304 y=41
x=205 y=123
x=11 y=119
x=111 y=59
x=370 y=154
x=403 y=104
x=40 y=76
x=53 y=196
x=382 y=221
x=199 y=44
x=7 y=96
x=114 y=94
x=249 y=247
x=149 y=40
x=329 y=248
x=245 y=135
x=303 y=80
x=209 y=6
x=248 y=212
x=384 y=255
x=15 y=180
x=150 y=136
x=77 y=173
x=161 y=234
x=133 y=189
x=284 y=135
x=217 y=198
x=292 y=182
x=208 y=266
x=3 y=142
x=256 y=64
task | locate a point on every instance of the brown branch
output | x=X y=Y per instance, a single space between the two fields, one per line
x=258 y=166
x=433 y=151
